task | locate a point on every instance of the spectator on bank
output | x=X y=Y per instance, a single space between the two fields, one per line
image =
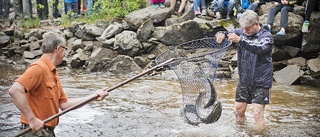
x=42 y=9
x=283 y=6
x=242 y=5
x=181 y=7
x=310 y=6
x=173 y=4
x=4 y=9
x=157 y=3
x=89 y=6
x=225 y=7
x=78 y=6
x=199 y=7
x=22 y=8
x=55 y=11
x=214 y=7
x=72 y=8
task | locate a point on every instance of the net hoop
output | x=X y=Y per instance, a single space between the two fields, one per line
x=195 y=65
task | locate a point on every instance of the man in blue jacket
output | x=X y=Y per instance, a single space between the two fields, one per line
x=255 y=67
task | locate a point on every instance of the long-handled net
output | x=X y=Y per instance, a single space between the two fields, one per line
x=195 y=65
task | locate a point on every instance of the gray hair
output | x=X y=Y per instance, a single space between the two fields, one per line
x=248 y=18
x=51 y=41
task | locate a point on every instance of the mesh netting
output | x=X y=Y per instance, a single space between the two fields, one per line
x=195 y=65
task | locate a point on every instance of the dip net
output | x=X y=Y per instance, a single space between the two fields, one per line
x=195 y=64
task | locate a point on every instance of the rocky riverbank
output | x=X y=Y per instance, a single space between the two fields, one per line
x=131 y=44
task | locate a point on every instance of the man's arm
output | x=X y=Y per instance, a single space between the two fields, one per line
x=74 y=101
x=18 y=95
x=263 y=45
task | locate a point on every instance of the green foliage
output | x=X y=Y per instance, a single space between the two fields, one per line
x=30 y=23
x=40 y=6
x=116 y=8
x=102 y=10
x=107 y=9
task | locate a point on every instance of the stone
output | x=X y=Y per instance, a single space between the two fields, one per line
x=288 y=75
x=314 y=66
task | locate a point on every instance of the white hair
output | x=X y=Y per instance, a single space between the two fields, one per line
x=248 y=18
x=51 y=40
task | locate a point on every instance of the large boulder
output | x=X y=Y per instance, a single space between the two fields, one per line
x=311 y=40
x=136 y=18
x=123 y=64
x=145 y=30
x=178 y=33
x=288 y=75
x=294 y=34
x=4 y=40
x=126 y=43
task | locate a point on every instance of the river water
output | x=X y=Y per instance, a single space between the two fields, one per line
x=150 y=106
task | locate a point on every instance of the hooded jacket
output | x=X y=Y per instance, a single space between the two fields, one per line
x=255 y=58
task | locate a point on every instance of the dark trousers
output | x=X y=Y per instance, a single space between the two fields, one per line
x=4 y=9
x=284 y=14
x=79 y=6
x=55 y=11
x=311 y=6
x=42 y=11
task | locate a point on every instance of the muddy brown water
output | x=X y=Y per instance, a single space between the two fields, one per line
x=150 y=105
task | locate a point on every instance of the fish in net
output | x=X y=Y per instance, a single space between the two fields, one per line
x=195 y=64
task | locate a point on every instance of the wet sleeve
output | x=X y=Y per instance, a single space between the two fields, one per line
x=261 y=45
x=32 y=77
x=237 y=31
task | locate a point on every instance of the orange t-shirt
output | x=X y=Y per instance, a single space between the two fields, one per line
x=43 y=90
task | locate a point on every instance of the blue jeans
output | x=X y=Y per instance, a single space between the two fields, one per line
x=225 y=8
x=89 y=5
x=71 y=6
x=253 y=7
x=284 y=14
x=199 y=4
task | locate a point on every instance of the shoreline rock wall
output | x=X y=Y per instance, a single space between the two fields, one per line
x=130 y=45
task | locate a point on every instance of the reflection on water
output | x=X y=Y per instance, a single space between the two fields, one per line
x=149 y=106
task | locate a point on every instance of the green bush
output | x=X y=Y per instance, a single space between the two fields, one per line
x=30 y=23
x=116 y=8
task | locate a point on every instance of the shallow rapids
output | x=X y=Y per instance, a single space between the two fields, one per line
x=150 y=106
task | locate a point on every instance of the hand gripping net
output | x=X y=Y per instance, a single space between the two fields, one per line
x=195 y=63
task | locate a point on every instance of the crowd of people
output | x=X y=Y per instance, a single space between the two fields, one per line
x=23 y=8
x=225 y=8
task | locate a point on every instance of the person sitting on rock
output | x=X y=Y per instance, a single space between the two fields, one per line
x=181 y=7
x=310 y=6
x=157 y=3
x=283 y=6
x=222 y=7
x=71 y=8
x=199 y=7
x=242 y=5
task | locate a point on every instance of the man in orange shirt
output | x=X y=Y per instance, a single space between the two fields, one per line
x=38 y=93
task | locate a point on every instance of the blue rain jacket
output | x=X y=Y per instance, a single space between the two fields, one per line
x=255 y=58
